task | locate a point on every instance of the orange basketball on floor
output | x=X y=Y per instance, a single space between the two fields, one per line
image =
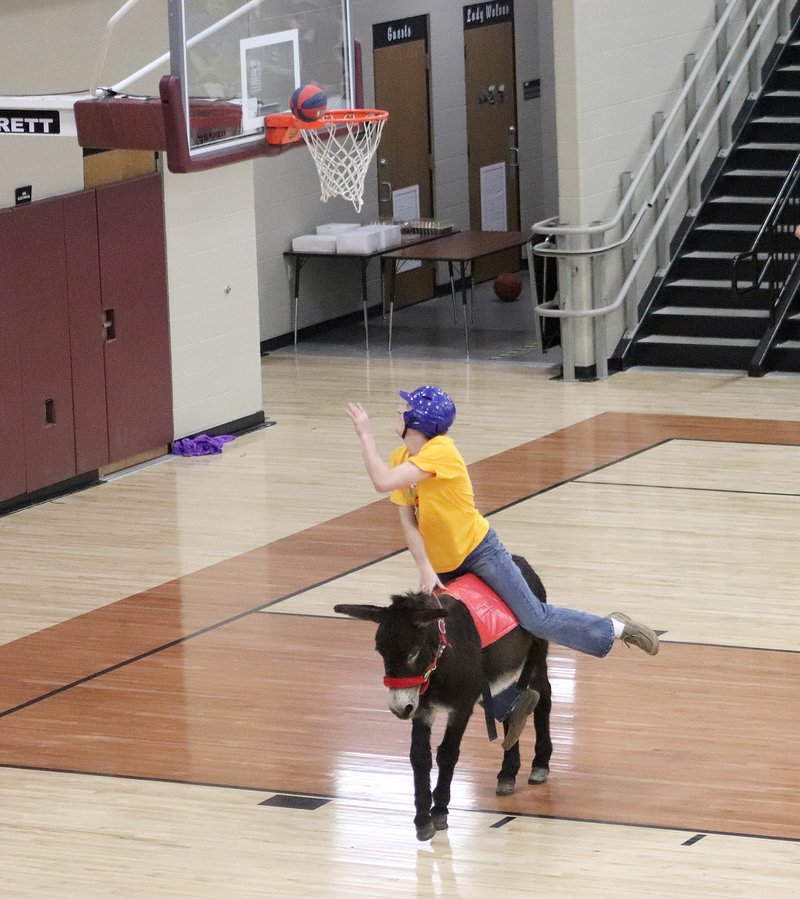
x=507 y=287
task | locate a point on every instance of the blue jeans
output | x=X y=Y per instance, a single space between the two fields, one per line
x=492 y=563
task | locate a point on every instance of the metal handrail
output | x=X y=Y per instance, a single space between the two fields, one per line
x=783 y=196
x=546 y=249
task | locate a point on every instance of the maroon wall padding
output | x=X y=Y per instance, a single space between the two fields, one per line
x=133 y=275
x=120 y=123
x=41 y=300
x=86 y=331
x=12 y=439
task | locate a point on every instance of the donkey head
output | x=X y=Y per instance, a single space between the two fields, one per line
x=408 y=641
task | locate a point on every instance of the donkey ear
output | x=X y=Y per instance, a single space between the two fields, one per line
x=363 y=613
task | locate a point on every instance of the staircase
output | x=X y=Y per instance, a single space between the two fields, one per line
x=692 y=319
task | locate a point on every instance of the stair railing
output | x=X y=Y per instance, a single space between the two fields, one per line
x=779 y=267
x=711 y=117
x=778 y=263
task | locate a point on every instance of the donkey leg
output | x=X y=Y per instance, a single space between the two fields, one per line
x=421 y=764
x=507 y=778
x=540 y=769
x=446 y=758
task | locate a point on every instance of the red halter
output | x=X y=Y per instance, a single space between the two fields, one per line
x=421 y=680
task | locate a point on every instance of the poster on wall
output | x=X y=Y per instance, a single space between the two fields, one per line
x=405 y=208
x=494 y=216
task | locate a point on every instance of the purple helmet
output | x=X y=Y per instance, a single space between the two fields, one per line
x=432 y=410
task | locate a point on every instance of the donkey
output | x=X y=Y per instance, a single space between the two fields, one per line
x=432 y=657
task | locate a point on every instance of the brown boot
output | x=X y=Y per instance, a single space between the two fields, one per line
x=635 y=634
x=523 y=707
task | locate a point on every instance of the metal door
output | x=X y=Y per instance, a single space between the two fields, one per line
x=491 y=107
x=405 y=176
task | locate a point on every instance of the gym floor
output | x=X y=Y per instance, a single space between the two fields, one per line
x=500 y=331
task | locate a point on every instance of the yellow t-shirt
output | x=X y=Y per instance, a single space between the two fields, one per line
x=450 y=525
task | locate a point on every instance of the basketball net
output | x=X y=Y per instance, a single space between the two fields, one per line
x=341 y=142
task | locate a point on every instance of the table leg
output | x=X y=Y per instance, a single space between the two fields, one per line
x=364 y=263
x=464 y=303
x=298 y=265
x=452 y=290
x=389 y=271
x=471 y=292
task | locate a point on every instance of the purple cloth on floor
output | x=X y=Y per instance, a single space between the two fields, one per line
x=202 y=445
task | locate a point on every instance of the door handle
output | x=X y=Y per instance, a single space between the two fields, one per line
x=513 y=148
x=109 y=329
x=385 y=192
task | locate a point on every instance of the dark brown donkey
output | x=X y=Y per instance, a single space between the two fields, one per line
x=433 y=660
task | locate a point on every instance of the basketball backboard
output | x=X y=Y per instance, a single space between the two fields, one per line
x=238 y=61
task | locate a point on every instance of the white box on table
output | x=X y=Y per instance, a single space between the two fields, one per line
x=391 y=235
x=337 y=228
x=314 y=243
x=362 y=240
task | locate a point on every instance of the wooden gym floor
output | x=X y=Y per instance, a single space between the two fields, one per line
x=182 y=714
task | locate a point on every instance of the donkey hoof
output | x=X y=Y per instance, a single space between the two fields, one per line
x=439 y=820
x=538 y=775
x=426 y=832
x=505 y=786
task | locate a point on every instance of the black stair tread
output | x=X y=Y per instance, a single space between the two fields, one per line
x=735 y=198
x=699 y=341
x=726 y=226
x=715 y=254
x=711 y=283
x=777 y=119
x=768 y=145
x=711 y=312
x=754 y=173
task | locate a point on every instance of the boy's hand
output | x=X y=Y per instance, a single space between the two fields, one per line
x=358 y=415
x=428 y=580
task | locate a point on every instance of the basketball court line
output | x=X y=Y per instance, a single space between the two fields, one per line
x=211 y=843
x=178 y=715
x=209 y=590
x=305 y=592
x=478 y=770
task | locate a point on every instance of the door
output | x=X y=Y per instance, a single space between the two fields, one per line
x=491 y=106
x=12 y=439
x=45 y=364
x=133 y=275
x=85 y=331
x=405 y=176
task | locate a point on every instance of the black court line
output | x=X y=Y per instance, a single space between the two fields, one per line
x=737 y=492
x=240 y=615
x=322 y=799
x=307 y=588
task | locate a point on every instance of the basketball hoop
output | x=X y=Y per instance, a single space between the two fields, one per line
x=342 y=143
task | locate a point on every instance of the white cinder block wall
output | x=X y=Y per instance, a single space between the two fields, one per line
x=213 y=296
x=617 y=63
